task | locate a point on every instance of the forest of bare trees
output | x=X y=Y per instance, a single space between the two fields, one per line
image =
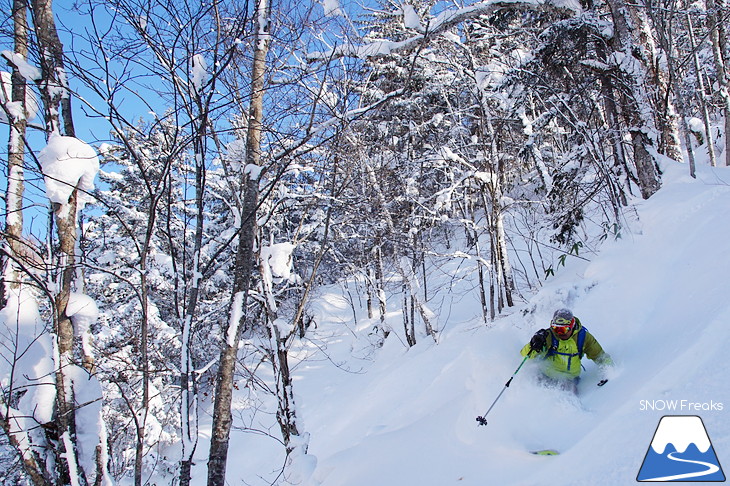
x=244 y=153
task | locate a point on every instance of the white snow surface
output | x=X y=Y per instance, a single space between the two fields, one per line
x=656 y=299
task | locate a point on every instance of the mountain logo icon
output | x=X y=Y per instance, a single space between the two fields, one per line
x=681 y=451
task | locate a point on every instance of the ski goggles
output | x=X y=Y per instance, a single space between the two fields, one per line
x=562 y=326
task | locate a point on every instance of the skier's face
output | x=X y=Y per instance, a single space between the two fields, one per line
x=563 y=328
x=564 y=335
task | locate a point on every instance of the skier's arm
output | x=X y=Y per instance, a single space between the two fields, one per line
x=595 y=352
x=526 y=350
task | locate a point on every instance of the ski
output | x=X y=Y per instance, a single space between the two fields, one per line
x=546 y=452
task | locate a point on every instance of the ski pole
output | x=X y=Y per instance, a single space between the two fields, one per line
x=482 y=418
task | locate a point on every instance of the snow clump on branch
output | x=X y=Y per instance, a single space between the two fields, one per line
x=68 y=163
x=199 y=72
x=277 y=260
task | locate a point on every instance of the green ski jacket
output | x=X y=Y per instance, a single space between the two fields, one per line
x=562 y=357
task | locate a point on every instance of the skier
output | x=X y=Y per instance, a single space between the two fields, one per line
x=561 y=348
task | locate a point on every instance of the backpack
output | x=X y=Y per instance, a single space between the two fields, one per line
x=553 y=349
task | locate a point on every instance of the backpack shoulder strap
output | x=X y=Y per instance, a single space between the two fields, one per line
x=581 y=340
x=553 y=349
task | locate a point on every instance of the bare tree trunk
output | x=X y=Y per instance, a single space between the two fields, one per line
x=188 y=386
x=620 y=162
x=687 y=140
x=715 y=11
x=404 y=267
x=222 y=419
x=56 y=98
x=16 y=155
x=375 y=285
x=500 y=272
x=501 y=247
x=54 y=88
x=380 y=290
x=286 y=412
x=493 y=289
x=142 y=413
x=408 y=325
x=369 y=288
x=497 y=270
x=638 y=106
x=279 y=357
x=667 y=42
x=493 y=207
x=646 y=20
x=244 y=266
x=702 y=96
x=480 y=270
x=31 y=465
x=65 y=412
x=189 y=399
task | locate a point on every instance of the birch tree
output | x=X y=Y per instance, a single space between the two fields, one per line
x=66 y=204
x=17 y=110
x=244 y=263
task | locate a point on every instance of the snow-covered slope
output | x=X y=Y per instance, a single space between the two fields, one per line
x=657 y=299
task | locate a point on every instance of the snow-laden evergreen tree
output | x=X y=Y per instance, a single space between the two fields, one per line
x=130 y=272
x=141 y=268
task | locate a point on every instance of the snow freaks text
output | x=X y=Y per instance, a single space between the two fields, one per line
x=680 y=406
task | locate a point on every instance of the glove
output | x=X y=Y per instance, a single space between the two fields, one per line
x=539 y=340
